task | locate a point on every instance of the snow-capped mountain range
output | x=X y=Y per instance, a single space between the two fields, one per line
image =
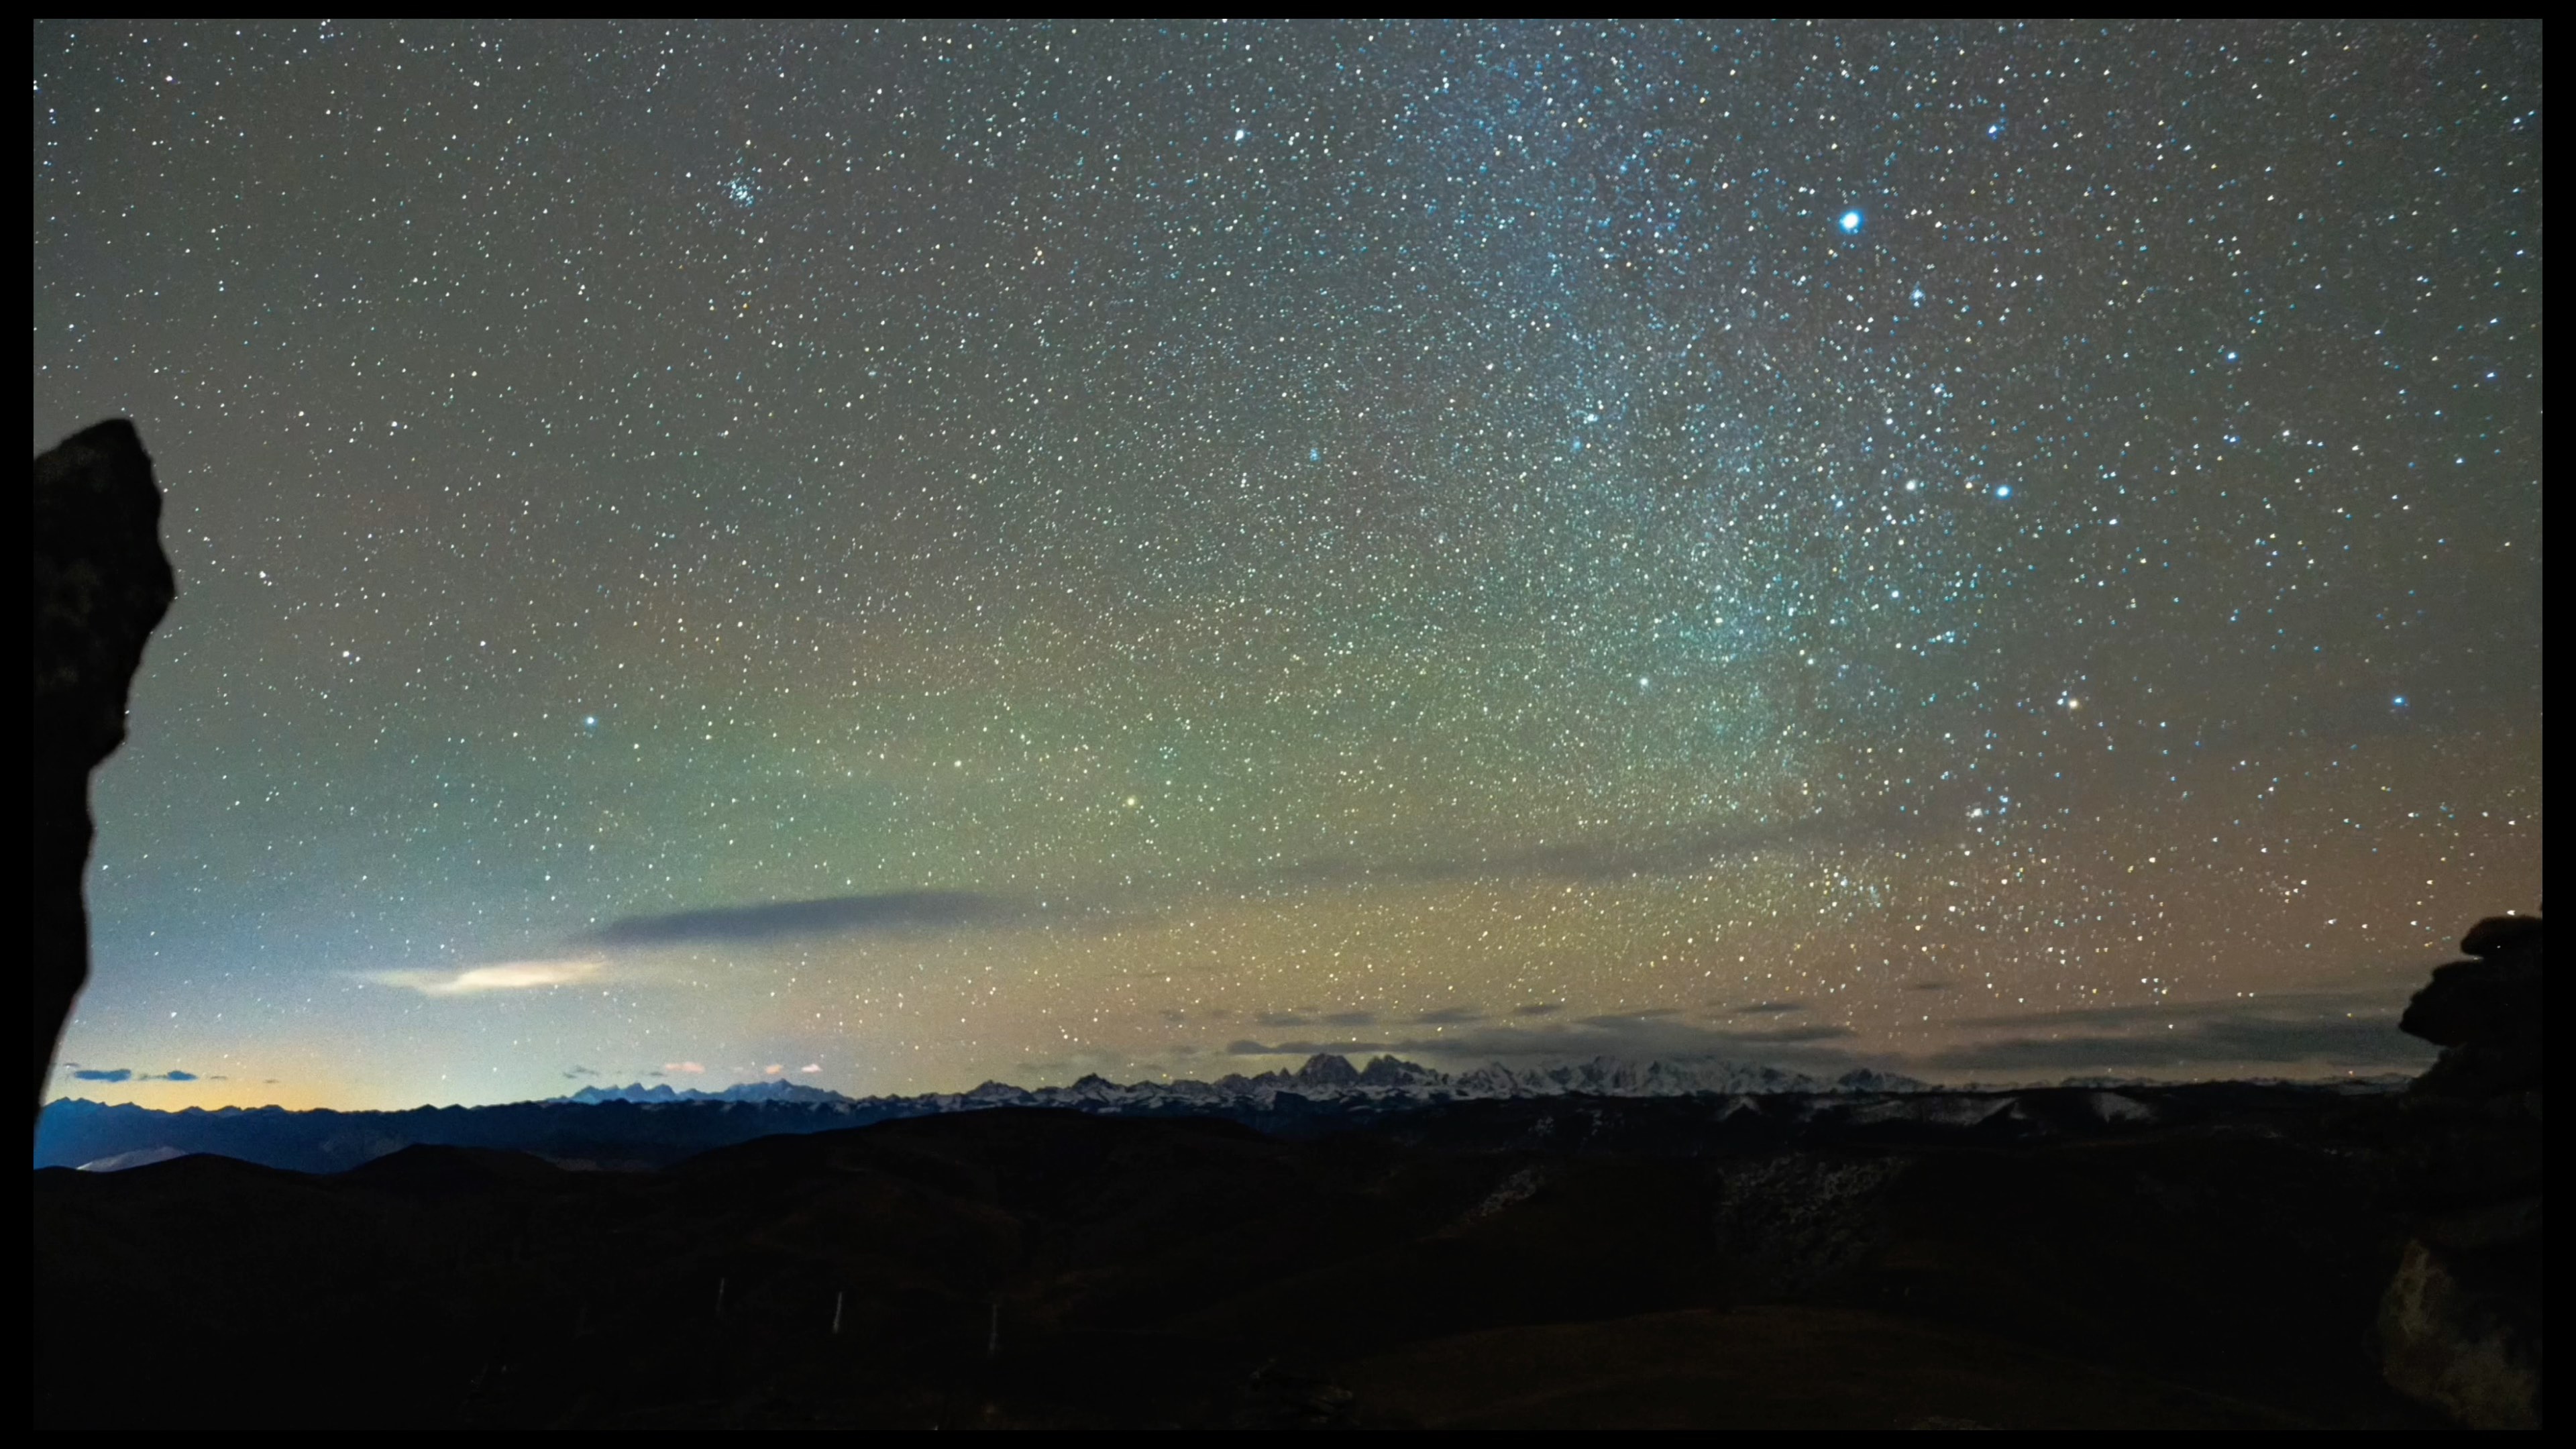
x=1324 y=1078
x=1672 y=1106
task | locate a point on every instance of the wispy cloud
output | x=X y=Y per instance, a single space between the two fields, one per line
x=1677 y=851
x=2159 y=1015
x=128 y=1074
x=501 y=976
x=828 y=916
x=1639 y=1035
x=1250 y=1048
x=2341 y=1029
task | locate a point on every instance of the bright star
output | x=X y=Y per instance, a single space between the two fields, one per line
x=1850 y=222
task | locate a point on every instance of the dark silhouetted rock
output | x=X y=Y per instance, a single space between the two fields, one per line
x=2491 y=1001
x=102 y=583
x=2460 y=1328
x=2497 y=935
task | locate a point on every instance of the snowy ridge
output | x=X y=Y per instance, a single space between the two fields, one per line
x=1324 y=1078
x=745 y=1092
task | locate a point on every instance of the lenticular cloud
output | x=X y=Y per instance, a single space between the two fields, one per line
x=501 y=976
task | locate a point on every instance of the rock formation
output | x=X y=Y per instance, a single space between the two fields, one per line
x=2460 y=1328
x=102 y=583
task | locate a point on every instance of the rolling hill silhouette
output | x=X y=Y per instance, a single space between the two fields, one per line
x=1565 y=1260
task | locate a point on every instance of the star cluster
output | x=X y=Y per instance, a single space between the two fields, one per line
x=2002 y=551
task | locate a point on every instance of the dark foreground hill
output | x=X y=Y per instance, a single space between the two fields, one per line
x=1568 y=1261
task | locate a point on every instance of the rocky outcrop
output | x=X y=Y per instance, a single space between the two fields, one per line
x=2460 y=1328
x=102 y=583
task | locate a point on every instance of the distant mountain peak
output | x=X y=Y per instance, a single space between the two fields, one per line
x=739 y=1092
x=1395 y=1072
x=1327 y=1070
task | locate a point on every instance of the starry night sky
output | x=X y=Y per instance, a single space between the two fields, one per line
x=897 y=556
